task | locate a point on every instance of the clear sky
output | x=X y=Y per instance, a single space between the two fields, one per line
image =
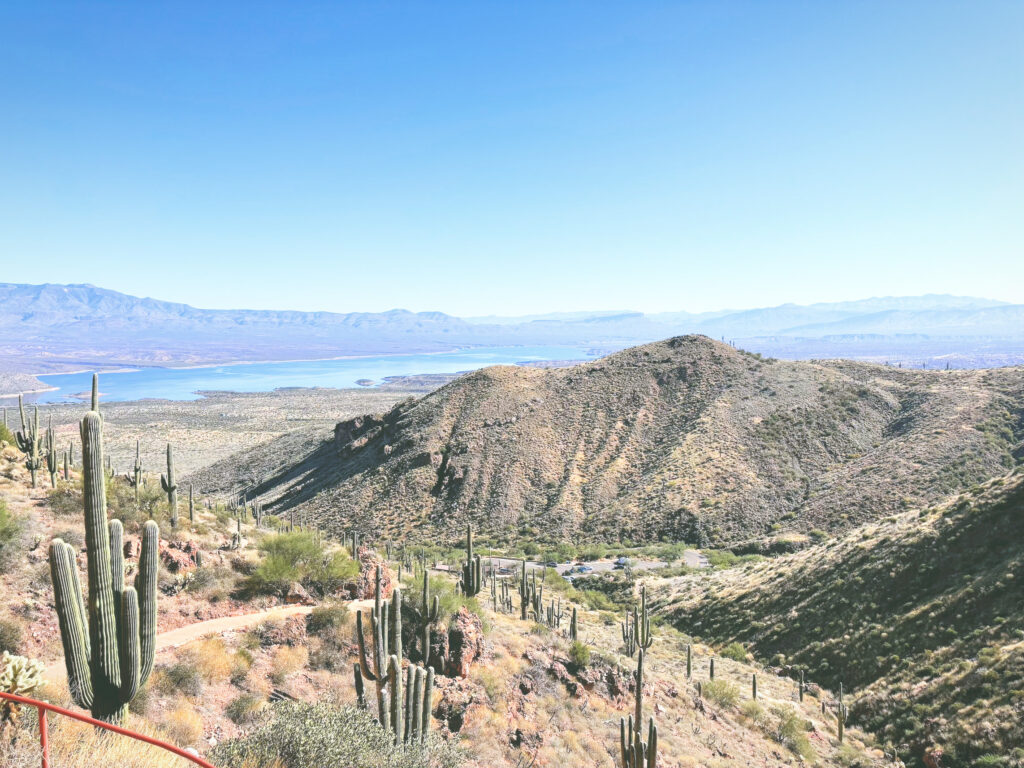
x=514 y=157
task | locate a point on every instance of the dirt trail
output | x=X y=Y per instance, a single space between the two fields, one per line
x=174 y=638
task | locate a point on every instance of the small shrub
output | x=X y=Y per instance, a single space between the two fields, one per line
x=287 y=661
x=753 y=711
x=241 y=663
x=735 y=651
x=579 y=654
x=299 y=735
x=10 y=636
x=11 y=529
x=181 y=677
x=211 y=659
x=183 y=725
x=328 y=618
x=245 y=709
x=721 y=692
x=791 y=732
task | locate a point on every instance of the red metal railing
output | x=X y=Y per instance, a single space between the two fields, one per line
x=43 y=707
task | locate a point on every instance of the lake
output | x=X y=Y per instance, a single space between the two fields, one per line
x=185 y=383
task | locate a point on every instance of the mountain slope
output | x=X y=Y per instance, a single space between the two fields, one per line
x=687 y=439
x=920 y=613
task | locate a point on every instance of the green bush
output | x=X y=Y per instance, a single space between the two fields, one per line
x=735 y=651
x=11 y=529
x=6 y=436
x=299 y=735
x=326 y=619
x=579 y=654
x=245 y=709
x=181 y=677
x=291 y=557
x=721 y=692
x=791 y=732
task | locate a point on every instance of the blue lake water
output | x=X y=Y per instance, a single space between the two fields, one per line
x=185 y=383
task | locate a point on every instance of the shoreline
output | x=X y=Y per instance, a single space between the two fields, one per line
x=267 y=362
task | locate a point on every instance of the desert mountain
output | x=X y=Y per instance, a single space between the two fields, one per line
x=685 y=439
x=920 y=613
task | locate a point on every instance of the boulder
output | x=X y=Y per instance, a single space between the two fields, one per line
x=465 y=643
x=365 y=585
x=175 y=560
x=297 y=595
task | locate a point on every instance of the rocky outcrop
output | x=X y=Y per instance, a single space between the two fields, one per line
x=365 y=585
x=465 y=643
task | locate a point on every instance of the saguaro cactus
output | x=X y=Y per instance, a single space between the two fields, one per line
x=573 y=627
x=110 y=657
x=134 y=478
x=52 y=462
x=28 y=440
x=636 y=753
x=191 y=504
x=471 y=575
x=170 y=488
x=429 y=613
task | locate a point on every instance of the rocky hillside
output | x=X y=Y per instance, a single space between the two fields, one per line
x=920 y=614
x=687 y=439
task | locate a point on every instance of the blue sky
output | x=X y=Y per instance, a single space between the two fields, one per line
x=514 y=157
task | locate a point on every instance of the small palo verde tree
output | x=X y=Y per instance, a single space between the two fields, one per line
x=108 y=647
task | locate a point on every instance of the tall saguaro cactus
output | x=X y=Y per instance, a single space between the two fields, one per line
x=386 y=632
x=28 y=440
x=471 y=573
x=52 y=462
x=636 y=753
x=135 y=477
x=108 y=650
x=170 y=487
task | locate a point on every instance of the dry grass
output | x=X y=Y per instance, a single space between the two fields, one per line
x=287 y=660
x=183 y=725
x=212 y=659
x=79 y=745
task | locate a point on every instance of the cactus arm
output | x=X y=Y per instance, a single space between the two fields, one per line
x=116 y=562
x=67 y=592
x=146 y=591
x=129 y=647
x=361 y=642
x=95 y=400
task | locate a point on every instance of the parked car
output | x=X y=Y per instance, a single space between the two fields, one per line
x=585 y=569
x=550 y=564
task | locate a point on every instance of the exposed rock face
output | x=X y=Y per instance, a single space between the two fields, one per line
x=465 y=643
x=178 y=556
x=456 y=697
x=365 y=586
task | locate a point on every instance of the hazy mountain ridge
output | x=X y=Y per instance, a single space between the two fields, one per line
x=52 y=327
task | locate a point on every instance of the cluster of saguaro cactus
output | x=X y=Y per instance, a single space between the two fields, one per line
x=531 y=596
x=472 y=577
x=170 y=487
x=109 y=647
x=28 y=440
x=553 y=615
x=403 y=709
x=501 y=596
x=386 y=632
x=637 y=753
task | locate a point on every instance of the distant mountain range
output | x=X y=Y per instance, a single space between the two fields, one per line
x=51 y=327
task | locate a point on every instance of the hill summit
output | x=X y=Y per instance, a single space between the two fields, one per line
x=686 y=438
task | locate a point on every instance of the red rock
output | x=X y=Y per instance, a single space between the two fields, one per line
x=465 y=643
x=366 y=585
x=297 y=595
x=176 y=560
